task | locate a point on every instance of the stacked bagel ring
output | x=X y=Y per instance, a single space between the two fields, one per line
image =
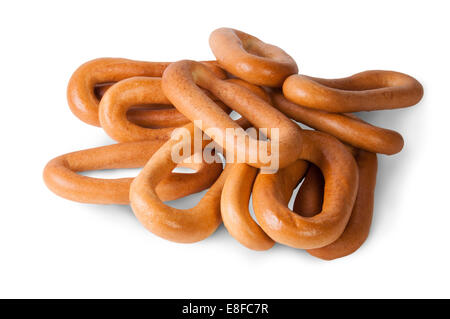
x=141 y=104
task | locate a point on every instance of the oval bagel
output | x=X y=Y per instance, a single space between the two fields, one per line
x=250 y=59
x=148 y=116
x=81 y=96
x=120 y=98
x=365 y=91
x=358 y=226
x=341 y=184
x=347 y=128
x=60 y=174
x=234 y=208
x=183 y=226
x=114 y=108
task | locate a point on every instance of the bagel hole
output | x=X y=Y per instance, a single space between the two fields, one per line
x=186 y=202
x=112 y=173
x=184 y=170
x=290 y=205
x=294 y=194
x=251 y=210
x=129 y=172
x=235 y=115
x=303 y=126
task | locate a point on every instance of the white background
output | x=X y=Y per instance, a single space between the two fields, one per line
x=52 y=247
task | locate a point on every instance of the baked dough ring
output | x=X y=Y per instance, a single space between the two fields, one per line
x=358 y=226
x=115 y=104
x=60 y=174
x=341 y=184
x=183 y=226
x=234 y=208
x=365 y=91
x=348 y=128
x=121 y=97
x=180 y=83
x=81 y=88
x=249 y=58
x=156 y=116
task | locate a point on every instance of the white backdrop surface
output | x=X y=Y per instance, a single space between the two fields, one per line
x=52 y=247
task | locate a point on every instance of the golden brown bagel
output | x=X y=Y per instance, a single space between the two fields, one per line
x=234 y=208
x=346 y=127
x=358 y=226
x=365 y=91
x=156 y=116
x=341 y=184
x=120 y=98
x=81 y=96
x=249 y=58
x=184 y=226
x=60 y=174
x=115 y=105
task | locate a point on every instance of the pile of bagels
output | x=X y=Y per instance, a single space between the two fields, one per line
x=140 y=104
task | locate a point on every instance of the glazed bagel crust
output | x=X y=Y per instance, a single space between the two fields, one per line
x=81 y=88
x=358 y=227
x=348 y=128
x=181 y=84
x=341 y=184
x=60 y=174
x=249 y=58
x=234 y=208
x=365 y=91
x=183 y=226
